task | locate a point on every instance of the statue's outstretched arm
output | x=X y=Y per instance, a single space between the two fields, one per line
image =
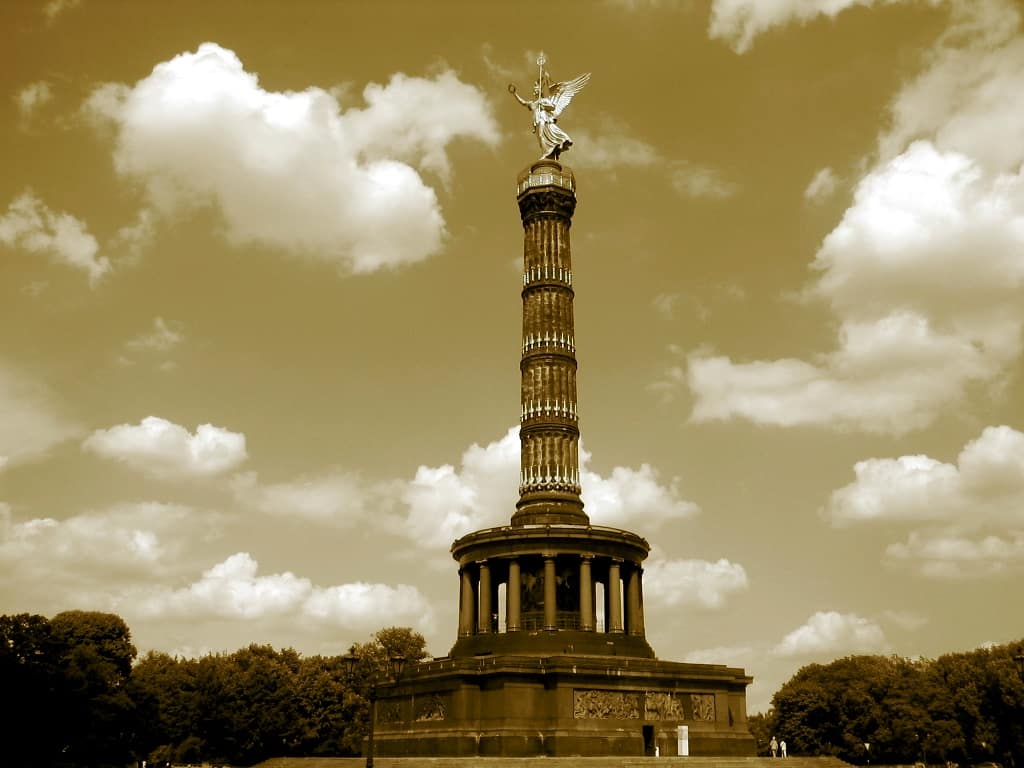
x=520 y=99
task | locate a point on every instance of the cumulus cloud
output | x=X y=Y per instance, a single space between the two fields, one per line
x=29 y=225
x=444 y=503
x=699 y=583
x=234 y=590
x=441 y=503
x=822 y=186
x=830 y=633
x=92 y=555
x=924 y=273
x=969 y=98
x=291 y=170
x=32 y=420
x=738 y=22
x=627 y=496
x=972 y=512
x=161 y=448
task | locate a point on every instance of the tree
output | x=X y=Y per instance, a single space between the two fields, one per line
x=94 y=709
x=30 y=671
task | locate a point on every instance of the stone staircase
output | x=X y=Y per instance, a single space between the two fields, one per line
x=555 y=762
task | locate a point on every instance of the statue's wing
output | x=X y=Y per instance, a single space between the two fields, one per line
x=562 y=93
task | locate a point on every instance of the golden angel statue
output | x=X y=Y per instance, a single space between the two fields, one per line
x=549 y=101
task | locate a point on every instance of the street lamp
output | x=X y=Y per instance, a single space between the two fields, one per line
x=396 y=665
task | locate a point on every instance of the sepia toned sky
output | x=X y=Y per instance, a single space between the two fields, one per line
x=260 y=314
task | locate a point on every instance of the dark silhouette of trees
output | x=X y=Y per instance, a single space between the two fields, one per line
x=80 y=699
x=962 y=707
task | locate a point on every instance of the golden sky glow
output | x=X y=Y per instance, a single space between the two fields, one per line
x=259 y=299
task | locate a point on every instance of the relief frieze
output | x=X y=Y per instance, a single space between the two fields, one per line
x=606 y=705
x=431 y=707
x=662 y=705
x=703 y=706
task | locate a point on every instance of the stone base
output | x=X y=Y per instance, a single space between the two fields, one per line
x=565 y=705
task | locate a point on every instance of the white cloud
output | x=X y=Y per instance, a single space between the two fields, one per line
x=161 y=448
x=234 y=590
x=701 y=181
x=162 y=338
x=985 y=486
x=973 y=511
x=91 y=557
x=830 y=633
x=29 y=225
x=290 y=170
x=32 y=97
x=822 y=186
x=628 y=496
x=969 y=99
x=55 y=8
x=675 y=583
x=32 y=421
x=738 y=22
x=444 y=503
x=612 y=148
x=126 y=537
x=945 y=554
x=925 y=271
x=341 y=499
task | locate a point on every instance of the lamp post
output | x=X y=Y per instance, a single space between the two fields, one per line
x=396 y=665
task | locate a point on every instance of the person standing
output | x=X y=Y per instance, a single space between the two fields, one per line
x=774 y=747
x=782 y=747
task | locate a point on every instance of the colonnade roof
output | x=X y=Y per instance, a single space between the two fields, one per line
x=514 y=541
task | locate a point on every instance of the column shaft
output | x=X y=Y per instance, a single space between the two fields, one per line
x=550 y=596
x=614 y=598
x=484 y=618
x=633 y=621
x=513 y=591
x=586 y=595
x=466 y=603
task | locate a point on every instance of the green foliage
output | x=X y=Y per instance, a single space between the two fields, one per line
x=962 y=707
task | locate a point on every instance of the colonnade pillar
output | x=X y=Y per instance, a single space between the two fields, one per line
x=550 y=596
x=484 y=619
x=614 y=615
x=586 y=595
x=512 y=597
x=467 y=604
x=634 y=622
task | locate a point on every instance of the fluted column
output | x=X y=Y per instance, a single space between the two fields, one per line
x=586 y=594
x=513 y=594
x=466 y=603
x=484 y=618
x=550 y=595
x=614 y=597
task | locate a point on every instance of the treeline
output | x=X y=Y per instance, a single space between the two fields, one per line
x=76 y=696
x=962 y=707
